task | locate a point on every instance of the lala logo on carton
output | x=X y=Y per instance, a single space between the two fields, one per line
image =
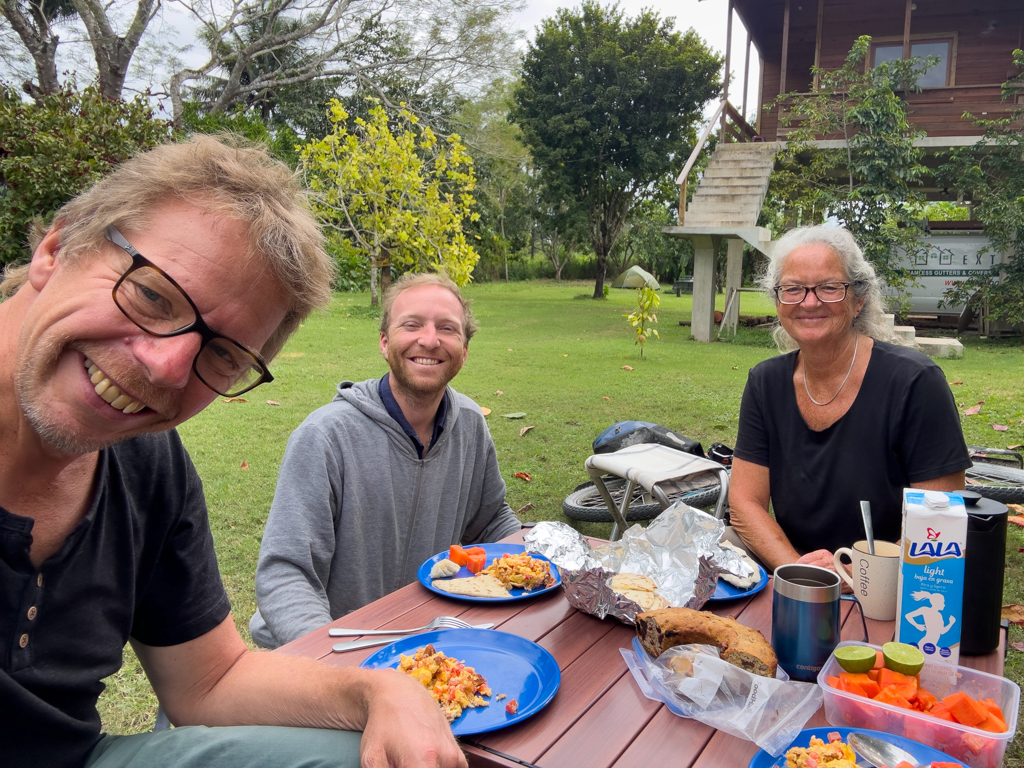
x=930 y=592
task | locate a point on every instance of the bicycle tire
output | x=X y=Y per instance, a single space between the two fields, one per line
x=585 y=503
x=997 y=482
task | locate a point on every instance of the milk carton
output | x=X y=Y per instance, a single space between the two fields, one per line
x=931 y=584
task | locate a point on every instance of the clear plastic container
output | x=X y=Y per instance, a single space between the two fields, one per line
x=971 y=746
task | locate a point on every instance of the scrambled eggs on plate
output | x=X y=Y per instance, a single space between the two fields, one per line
x=452 y=684
x=835 y=754
x=521 y=572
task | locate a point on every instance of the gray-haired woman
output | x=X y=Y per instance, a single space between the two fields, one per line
x=845 y=416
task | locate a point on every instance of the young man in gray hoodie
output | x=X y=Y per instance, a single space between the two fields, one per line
x=390 y=473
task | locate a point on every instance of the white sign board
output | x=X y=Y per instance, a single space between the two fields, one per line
x=945 y=259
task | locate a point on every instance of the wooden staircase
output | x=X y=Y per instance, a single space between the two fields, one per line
x=733 y=186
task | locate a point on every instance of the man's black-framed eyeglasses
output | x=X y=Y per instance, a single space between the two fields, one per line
x=151 y=299
x=829 y=293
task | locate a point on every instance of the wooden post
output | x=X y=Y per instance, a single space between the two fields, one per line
x=785 y=47
x=733 y=281
x=817 y=41
x=728 y=61
x=760 y=90
x=906 y=32
x=702 y=319
x=746 y=77
x=681 y=216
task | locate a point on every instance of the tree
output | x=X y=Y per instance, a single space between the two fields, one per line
x=869 y=185
x=60 y=145
x=395 y=192
x=643 y=243
x=608 y=106
x=500 y=163
x=264 y=46
x=991 y=175
x=35 y=23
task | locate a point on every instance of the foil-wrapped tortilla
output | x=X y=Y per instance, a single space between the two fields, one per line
x=679 y=550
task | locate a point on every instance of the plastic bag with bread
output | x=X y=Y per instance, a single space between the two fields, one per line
x=741 y=646
x=702 y=666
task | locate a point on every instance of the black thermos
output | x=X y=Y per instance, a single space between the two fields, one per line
x=984 y=564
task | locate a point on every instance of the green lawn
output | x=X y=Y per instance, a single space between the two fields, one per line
x=555 y=354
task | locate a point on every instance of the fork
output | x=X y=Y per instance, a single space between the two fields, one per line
x=441 y=622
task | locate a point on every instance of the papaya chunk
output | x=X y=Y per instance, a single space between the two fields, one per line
x=458 y=555
x=889 y=696
x=993 y=724
x=477 y=561
x=907 y=691
x=887 y=677
x=870 y=686
x=848 y=686
x=941 y=711
x=994 y=708
x=964 y=709
x=925 y=699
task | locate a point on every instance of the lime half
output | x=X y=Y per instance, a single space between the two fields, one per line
x=856 y=658
x=900 y=657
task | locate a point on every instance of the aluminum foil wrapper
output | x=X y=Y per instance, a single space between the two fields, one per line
x=679 y=550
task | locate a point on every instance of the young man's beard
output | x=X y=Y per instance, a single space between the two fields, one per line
x=397 y=363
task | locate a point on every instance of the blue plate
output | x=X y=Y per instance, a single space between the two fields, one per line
x=923 y=754
x=511 y=664
x=493 y=551
x=726 y=591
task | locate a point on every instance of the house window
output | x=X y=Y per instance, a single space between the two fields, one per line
x=935 y=76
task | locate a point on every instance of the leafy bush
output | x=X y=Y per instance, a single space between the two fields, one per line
x=52 y=149
x=281 y=141
x=491 y=269
x=353 y=268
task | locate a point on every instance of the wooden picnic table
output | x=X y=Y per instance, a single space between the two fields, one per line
x=599 y=718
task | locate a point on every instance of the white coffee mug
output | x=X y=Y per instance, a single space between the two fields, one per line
x=875 y=577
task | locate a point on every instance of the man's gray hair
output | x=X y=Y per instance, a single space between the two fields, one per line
x=864 y=283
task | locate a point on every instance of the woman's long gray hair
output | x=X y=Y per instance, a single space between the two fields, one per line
x=859 y=272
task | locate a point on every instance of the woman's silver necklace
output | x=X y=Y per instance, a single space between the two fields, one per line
x=856 y=346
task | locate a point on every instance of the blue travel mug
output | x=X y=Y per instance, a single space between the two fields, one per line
x=806 y=618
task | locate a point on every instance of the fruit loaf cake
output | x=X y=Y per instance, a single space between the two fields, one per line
x=741 y=646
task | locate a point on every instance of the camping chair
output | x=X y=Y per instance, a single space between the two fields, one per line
x=654 y=467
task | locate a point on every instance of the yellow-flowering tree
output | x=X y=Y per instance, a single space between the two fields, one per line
x=395 y=191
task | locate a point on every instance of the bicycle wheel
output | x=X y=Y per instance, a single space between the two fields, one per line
x=585 y=503
x=993 y=481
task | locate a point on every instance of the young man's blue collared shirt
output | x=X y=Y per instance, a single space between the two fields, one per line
x=395 y=412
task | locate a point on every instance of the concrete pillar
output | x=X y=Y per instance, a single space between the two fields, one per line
x=733 y=281
x=702 y=320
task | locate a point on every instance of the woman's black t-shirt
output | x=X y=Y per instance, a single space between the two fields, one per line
x=902 y=428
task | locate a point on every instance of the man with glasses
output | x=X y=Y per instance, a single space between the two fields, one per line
x=172 y=281
x=390 y=473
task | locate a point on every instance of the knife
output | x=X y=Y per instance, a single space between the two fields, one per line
x=357 y=644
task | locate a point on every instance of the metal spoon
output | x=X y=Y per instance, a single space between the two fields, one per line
x=865 y=512
x=878 y=752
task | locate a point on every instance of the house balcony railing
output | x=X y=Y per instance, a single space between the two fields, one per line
x=937 y=111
